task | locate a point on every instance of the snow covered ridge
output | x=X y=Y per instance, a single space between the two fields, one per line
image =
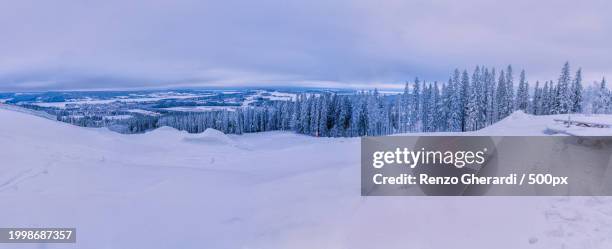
x=26 y=110
x=171 y=189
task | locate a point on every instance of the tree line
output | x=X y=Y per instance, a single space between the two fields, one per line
x=466 y=102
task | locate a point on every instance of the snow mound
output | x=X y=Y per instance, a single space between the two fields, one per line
x=518 y=123
x=166 y=132
x=164 y=129
x=518 y=115
x=210 y=136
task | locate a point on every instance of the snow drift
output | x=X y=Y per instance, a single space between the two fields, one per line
x=211 y=136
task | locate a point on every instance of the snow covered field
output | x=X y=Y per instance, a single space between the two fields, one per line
x=171 y=189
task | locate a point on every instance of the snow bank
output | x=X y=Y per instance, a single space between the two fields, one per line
x=522 y=124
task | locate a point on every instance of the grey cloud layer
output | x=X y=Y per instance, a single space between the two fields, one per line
x=108 y=44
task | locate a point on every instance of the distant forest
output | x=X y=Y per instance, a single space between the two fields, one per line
x=464 y=103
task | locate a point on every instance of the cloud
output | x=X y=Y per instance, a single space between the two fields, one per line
x=157 y=43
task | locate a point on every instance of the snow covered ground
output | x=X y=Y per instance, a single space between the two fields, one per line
x=171 y=189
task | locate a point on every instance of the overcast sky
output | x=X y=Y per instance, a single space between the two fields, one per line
x=62 y=44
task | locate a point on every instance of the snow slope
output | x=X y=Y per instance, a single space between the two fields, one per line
x=171 y=189
x=521 y=124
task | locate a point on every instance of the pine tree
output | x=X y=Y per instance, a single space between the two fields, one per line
x=472 y=103
x=522 y=93
x=404 y=110
x=576 y=93
x=502 y=97
x=323 y=116
x=544 y=100
x=296 y=119
x=425 y=101
x=471 y=120
x=510 y=90
x=307 y=116
x=491 y=98
x=602 y=99
x=563 y=101
x=435 y=108
x=482 y=90
x=415 y=112
x=444 y=108
x=465 y=86
x=454 y=121
x=552 y=98
x=431 y=108
x=536 y=103
x=344 y=119
x=362 y=122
